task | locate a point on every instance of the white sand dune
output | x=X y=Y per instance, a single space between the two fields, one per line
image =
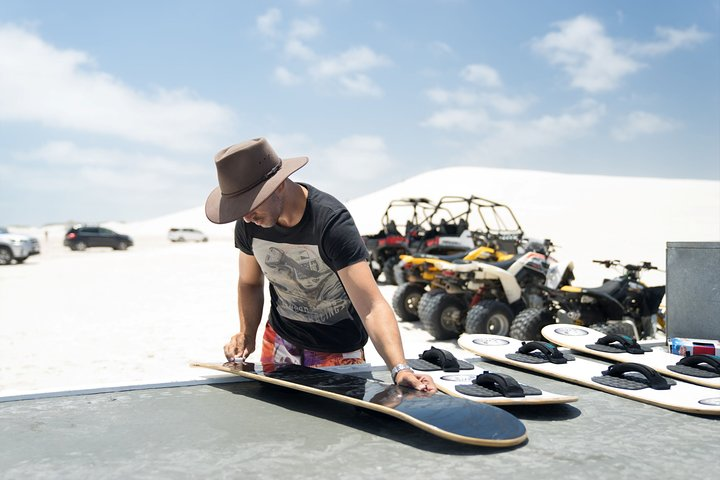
x=72 y=320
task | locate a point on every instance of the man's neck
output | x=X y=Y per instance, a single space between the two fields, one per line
x=294 y=204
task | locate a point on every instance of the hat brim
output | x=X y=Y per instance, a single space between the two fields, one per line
x=221 y=208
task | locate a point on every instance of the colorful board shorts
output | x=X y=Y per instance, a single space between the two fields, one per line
x=277 y=350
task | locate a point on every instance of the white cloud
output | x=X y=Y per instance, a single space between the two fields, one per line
x=297 y=49
x=356 y=158
x=460 y=97
x=474 y=121
x=103 y=168
x=267 y=22
x=64 y=89
x=359 y=84
x=642 y=123
x=482 y=75
x=503 y=104
x=670 y=39
x=285 y=77
x=504 y=139
x=514 y=139
x=307 y=28
x=441 y=48
x=597 y=62
x=591 y=58
x=347 y=71
x=357 y=59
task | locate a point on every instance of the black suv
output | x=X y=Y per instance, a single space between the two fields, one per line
x=82 y=237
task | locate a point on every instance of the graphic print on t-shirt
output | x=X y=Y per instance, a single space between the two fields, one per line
x=307 y=289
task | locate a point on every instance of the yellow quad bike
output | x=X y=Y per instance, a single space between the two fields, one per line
x=460 y=229
x=476 y=297
x=457 y=227
x=419 y=273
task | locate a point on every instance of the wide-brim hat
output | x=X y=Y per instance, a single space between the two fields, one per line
x=248 y=173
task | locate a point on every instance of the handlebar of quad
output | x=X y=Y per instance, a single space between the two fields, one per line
x=628 y=267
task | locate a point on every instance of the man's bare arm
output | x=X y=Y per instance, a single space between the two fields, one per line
x=380 y=322
x=250 y=306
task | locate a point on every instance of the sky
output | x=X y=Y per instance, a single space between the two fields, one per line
x=114 y=110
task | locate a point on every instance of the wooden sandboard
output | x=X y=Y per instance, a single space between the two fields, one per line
x=584 y=339
x=459 y=378
x=451 y=418
x=680 y=396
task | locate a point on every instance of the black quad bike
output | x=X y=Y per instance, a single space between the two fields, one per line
x=623 y=305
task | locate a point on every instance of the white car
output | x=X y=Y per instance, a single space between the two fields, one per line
x=15 y=247
x=186 y=235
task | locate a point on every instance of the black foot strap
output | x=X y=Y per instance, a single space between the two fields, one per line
x=539 y=352
x=633 y=376
x=702 y=366
x=614 y=343
x=438 y=359
x=505 y=384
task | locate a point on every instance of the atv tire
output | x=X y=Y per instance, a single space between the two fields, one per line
x=529 y=322
x=405 y=301
x=614 y=328
x=442 y=315
x=388 y=270
x=399 y=274
x=489 y=317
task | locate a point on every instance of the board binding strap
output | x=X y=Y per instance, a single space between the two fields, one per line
x=463 y=379
x=454 y=419
x=701 y=369
x=630 y=380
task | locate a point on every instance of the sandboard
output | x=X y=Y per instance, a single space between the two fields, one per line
x=451 y=418
x=463 y=379
x=700 y=369
x=629 y=380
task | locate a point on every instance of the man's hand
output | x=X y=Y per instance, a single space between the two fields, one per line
x=239 y=347
x=418 y=381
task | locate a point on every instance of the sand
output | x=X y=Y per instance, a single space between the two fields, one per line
x=104 y=318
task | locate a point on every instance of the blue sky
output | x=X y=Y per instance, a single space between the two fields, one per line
x=114 y=110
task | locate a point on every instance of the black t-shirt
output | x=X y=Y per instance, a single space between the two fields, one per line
x=309 y=305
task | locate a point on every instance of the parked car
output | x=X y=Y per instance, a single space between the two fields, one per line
x=14 y=247
x=81 y=237
x=186 y=235
x=34 y=246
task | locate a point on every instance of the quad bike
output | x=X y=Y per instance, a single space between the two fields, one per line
x=386 y=246
x=470 y=228
x=418 y=273
x=477 y=297
x=622 y=305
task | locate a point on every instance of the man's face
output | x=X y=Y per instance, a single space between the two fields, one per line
x=267 y=213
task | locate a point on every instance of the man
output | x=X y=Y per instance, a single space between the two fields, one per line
x=325 y=303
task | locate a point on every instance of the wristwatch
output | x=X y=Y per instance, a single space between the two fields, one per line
x=396 y=369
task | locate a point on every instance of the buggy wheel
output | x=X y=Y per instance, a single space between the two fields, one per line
x=406 y=299
x=490 y=317
x=528 y=324
x=442 y=315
